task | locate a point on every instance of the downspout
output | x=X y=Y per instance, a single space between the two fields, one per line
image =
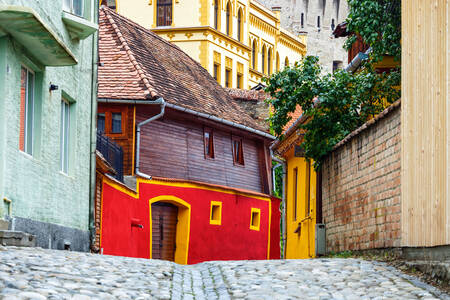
x=93 y=127
x=282 y=163
x=162 y=104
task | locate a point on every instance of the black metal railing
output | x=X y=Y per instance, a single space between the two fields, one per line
x=112 y=152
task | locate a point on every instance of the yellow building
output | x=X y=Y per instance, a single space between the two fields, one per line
x=237 y=41
x=300 y=195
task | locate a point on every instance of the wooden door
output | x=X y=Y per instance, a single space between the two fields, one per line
x=164 y=228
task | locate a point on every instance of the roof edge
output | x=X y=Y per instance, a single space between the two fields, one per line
x=142 y=76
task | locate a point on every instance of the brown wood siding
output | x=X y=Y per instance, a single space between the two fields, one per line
x=425 y=167
x=172 y=147
x=125 y=140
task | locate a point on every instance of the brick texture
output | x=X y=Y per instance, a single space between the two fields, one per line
x=361 y=187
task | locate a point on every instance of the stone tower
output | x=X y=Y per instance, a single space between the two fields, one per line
x=317 y=19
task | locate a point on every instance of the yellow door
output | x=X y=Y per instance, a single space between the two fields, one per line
x=301 y=208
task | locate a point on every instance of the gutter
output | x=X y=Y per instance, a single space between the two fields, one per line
x=192 y=112
x=220 y=120
x=282 y=163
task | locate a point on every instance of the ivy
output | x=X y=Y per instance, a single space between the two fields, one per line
x=336 y=104
x=378 y=22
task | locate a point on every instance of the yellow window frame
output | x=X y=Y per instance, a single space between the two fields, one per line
x=257 y=226
x=217 y=221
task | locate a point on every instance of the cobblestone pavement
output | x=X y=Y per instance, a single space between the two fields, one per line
x=34 y=273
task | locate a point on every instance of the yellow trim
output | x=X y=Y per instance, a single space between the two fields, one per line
x=101 y=216
x=202 y=187
x=134 y=141
x=267 y=13
x=205 y=30
x=183 y=226
x=211 y=220
x=255 y=210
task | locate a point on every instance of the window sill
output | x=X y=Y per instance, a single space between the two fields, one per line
x=66 y=175
x=78 y=27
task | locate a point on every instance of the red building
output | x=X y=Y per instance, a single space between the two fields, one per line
x=197 y=166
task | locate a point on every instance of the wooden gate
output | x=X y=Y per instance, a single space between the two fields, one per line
x=164 y=228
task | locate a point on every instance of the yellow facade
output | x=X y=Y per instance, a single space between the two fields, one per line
x=300 y=207
x=238 y=45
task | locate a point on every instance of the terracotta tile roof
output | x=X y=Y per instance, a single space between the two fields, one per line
x=295 y=115
x=250 y=95
x=138 y=64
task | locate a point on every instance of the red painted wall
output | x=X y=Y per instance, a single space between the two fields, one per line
x=275 y=229
x=232 y=240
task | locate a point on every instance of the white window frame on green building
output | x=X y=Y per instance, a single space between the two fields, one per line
x=29 y=111
x=65 y=135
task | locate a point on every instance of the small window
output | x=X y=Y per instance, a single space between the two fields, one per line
x=65 y=136
x=26 y=111
x=101 y=117
x=255 y=219
x=254 y=55
x=263 y=60
x=163 y=12
x=302 y=20
x=208 y=140
x=307 y=189
x=74 y=6
x=269 y=62
x=216 y=213
x=332 y=24
x=227 y=78
x=216 y=14
x=216 y=73
x=239 y=81
x=318 y=21
x=238 y=153
x=229 y=20
x=239 y=25
x=116 y=123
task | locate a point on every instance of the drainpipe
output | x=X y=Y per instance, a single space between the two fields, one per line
x=282 y=163
x=357 y=60
x=93 y=130
x=160 y=101
x=162 y=104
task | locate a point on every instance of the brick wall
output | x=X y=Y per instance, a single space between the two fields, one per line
x=361 y=187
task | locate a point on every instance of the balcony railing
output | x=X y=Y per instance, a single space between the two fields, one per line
x=112 y=152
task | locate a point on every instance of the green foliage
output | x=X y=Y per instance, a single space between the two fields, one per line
x=378 y=22
x=335 y=104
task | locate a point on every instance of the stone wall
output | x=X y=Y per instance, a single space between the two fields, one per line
x=319 y=39
x=361 y=187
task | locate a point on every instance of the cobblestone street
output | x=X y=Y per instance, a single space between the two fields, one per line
x=34 y=273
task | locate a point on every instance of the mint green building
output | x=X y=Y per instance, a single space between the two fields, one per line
x=48 y=64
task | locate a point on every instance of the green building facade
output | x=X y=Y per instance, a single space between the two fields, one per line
x=48 y=63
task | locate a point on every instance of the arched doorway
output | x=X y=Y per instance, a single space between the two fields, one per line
x=169 y=228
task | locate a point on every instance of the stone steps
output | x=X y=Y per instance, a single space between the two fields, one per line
x=17 y=238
